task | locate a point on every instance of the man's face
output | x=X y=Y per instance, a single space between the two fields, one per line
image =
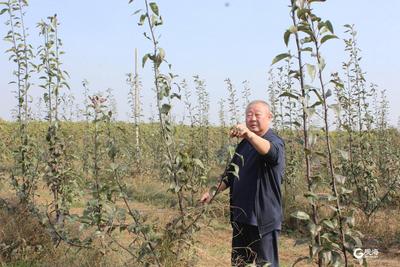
x=258 y=118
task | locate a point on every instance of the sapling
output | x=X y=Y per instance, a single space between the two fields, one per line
x=202 y=118
x=360 y=112
x=135 y=84
x=86 y=132
x=302 y=97
x=232 y=103
x=223 y=133
x=187 y=101
x=246 y=93
x=175 y=163
x=331 y=236
x=24 y=174
x=58 y=172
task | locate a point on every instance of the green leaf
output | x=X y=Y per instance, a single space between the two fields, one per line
x=332 y=208
x=328 y=93
x=350 y=220
x=307 y=49
x=235 y=171
x=144 y=59
x=345 y=191
x=177 y=188
x=317 y=94
x=154 y=8
x=3 y=11
x=199 y=163
x=329 y=26
x=280 y=57
x=159 y=21
x=309 y=111
x=161 y=54
x=142 y=18
x=241 y=158
x=327 y=37
x=294 y=73
x=137 y=11
x=301 y=215
x=314 y=250
x=176 y=95
x=313 y=228
x=347 y=26
x=231 y=151
x=301 y=241
x=153 y=19
x=340 y=178
x=317 y=103
x=337 y=83
x=329 y=224
x=114 y=166
x=320 y=25
x=165 y=108
x=286 y=37
x=301 y=12
x=169 y=127
x=321 y=64
x=326 y=197
x=336 y=259
x=296 y=123
x=311 y=71
x=302 y=258
x=326 y=255
x=344 y=154
x=311 y=195
x=353 y=239
x=288 y=94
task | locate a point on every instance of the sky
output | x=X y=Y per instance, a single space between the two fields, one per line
x=214 y=39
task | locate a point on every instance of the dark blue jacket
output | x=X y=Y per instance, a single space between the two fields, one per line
x=268 y=202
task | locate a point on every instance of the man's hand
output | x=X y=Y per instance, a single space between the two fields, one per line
x=240 y=130
x=260 y=144
x=206 y=198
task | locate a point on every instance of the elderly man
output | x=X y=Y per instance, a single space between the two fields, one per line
x=255 y=197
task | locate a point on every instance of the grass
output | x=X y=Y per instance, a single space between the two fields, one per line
x=22 y=237
x=153 y=193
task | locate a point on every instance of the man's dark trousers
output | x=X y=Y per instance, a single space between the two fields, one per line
x=249 y=247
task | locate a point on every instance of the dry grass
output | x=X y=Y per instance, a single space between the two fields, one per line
x=22 y=237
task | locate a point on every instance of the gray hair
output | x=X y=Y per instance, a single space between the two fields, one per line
x=258 y=101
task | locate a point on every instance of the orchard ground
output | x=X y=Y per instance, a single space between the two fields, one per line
x=212 y=246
